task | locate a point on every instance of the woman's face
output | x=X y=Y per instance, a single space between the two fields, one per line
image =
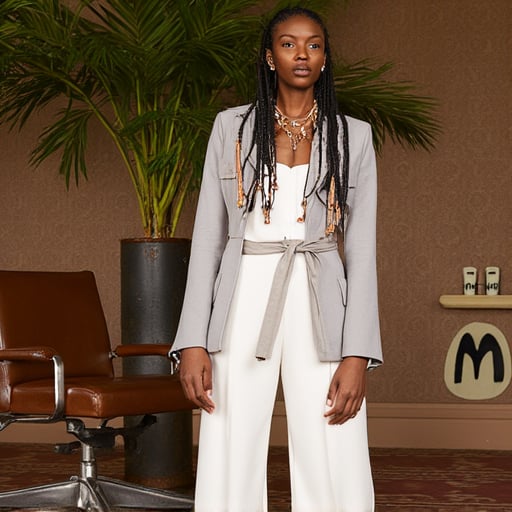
x=298 y=52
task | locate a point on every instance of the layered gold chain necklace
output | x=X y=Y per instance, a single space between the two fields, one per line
x=297 y=129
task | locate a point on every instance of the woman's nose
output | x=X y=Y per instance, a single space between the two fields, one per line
x=302 y=54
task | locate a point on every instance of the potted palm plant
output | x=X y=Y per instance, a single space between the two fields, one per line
x=152 y=74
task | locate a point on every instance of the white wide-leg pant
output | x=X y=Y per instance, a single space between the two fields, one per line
x=329 y=464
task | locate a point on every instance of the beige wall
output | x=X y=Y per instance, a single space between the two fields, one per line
x=450 y=208
x=438 y=211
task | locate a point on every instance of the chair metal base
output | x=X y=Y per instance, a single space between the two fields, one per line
x=91 y=492
x=94 y=494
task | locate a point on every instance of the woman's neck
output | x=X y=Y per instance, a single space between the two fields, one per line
x=295 y=104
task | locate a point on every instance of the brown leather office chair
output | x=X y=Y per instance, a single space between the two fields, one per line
x=56 y=365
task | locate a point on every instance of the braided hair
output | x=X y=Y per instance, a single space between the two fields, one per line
x=263 y=135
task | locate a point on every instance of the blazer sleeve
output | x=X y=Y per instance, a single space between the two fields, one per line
x=208 y=242
x=361 y=335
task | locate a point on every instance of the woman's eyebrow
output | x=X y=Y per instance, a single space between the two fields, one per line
x=293 y=36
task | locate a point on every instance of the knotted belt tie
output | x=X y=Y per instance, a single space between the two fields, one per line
x=279 y=289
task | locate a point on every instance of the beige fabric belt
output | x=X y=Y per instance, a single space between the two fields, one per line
x=279 y=289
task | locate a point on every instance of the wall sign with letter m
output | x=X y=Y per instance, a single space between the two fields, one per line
x=478 y=363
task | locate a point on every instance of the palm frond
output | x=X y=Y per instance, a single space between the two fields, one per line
x=68 y=135
x=392 y=108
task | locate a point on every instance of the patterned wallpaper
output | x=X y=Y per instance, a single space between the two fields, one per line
x=438 y=211
x=450 y=208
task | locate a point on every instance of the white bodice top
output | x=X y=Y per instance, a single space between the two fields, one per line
x=287 y=208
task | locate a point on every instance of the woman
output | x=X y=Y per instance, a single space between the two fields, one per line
x=267 y=293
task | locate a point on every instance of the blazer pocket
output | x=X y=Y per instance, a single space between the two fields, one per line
x=342 y=283
x=350 y=195
x=228 y=183
x=216 y=286
x=227 y=172
x=332 y=316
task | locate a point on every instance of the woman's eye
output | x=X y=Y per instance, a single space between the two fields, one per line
x=314 y=46
x=287 y=45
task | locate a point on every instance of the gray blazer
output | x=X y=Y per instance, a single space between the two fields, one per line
x=348 y=297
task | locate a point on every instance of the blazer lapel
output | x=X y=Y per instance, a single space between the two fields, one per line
x=314 y=160
x=248 y=159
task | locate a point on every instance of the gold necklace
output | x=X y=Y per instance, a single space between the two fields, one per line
x=295 y=129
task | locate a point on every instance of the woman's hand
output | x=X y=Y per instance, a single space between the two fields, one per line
x=347 y=390
x=196 y=377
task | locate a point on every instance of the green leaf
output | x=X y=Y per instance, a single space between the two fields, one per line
x=392 y=108
x=68 y=134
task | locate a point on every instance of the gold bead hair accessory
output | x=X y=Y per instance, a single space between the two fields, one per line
x=239 y=177
x=333 y=209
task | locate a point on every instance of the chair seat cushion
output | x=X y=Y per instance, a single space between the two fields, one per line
x=103 y=397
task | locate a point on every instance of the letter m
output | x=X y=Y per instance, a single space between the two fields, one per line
x=487 y=344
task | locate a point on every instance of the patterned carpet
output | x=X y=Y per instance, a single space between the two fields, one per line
x=442 y=480
x=405 y=480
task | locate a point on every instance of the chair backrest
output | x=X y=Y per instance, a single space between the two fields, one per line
x=55 y=309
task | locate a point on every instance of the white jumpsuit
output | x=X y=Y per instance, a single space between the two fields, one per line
x=329 y=464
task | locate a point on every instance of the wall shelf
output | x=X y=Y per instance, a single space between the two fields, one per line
x=476 y=301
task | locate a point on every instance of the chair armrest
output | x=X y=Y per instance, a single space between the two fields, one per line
x=27 y=354
x=39 y=354
x=142 y=349
x=148 y=349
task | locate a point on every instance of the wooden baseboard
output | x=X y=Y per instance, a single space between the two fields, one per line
x=412 y=425
x=475 y=426
x=478 y=426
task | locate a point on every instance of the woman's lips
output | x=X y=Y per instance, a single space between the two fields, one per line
x=302 y=71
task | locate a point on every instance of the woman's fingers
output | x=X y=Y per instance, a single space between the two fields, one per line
x=346 y=391
x=196 y=377
x=343 y=410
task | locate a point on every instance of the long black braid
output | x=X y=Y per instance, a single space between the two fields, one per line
x=263 y=135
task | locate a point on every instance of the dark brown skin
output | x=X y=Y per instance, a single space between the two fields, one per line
x=196 y=377
x=298 y=54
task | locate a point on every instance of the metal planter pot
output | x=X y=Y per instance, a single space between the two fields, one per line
x=153 y=277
